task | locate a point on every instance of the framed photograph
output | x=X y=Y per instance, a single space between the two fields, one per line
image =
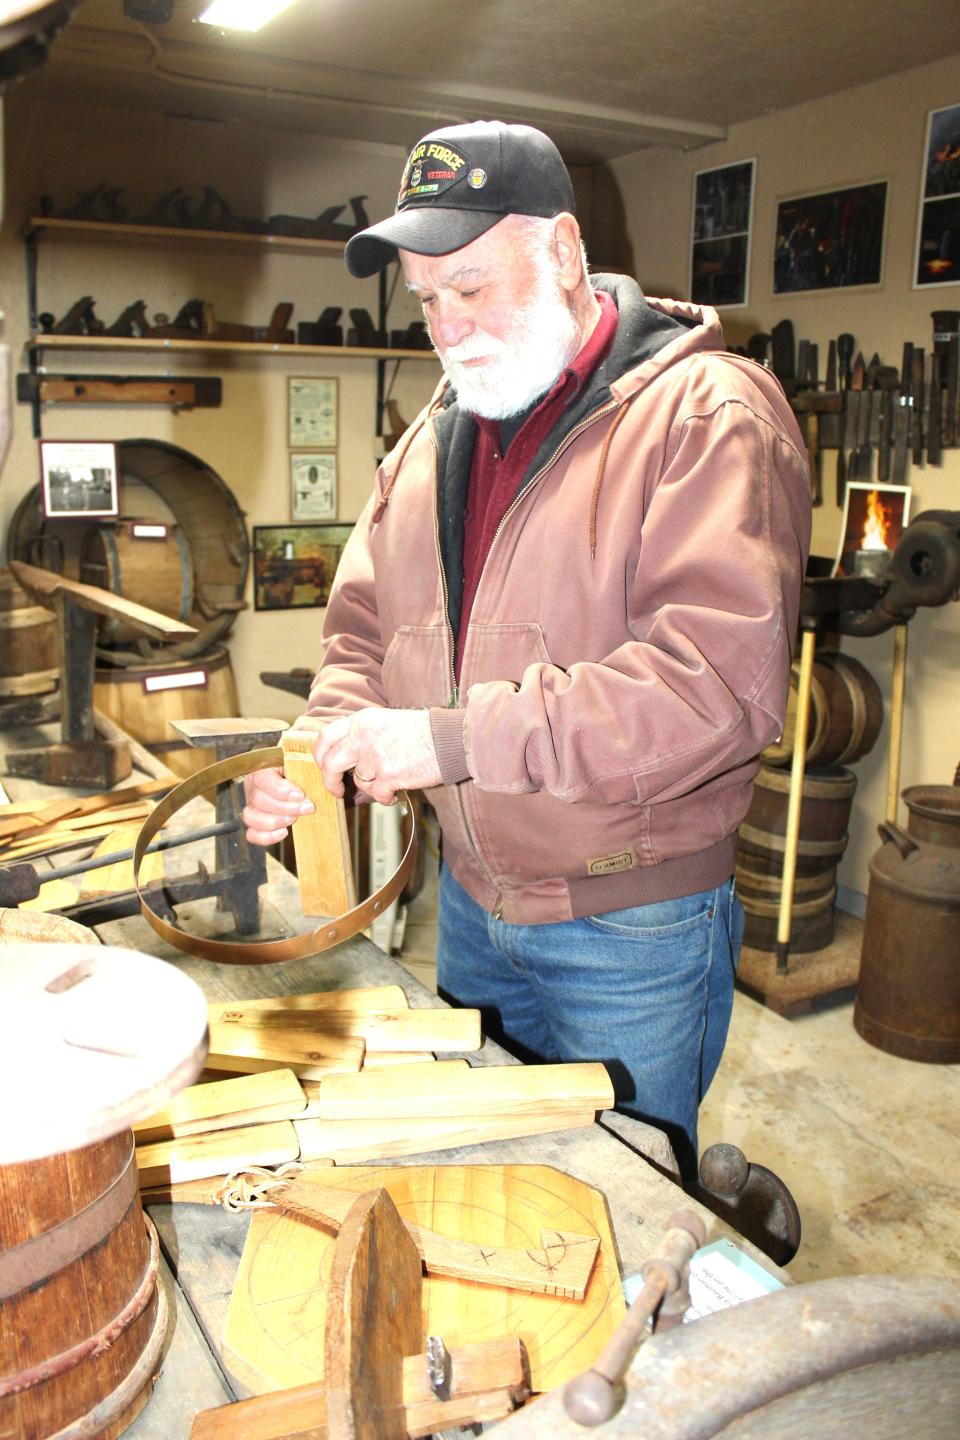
x=720 y=234
x=874 y=518
x=294 y=565
x=938 y=226
x=312 y=404
x=830 y=241
x=313 y=485
x=78 y=477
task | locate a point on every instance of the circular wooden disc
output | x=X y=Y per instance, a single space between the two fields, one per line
x=101 y=1037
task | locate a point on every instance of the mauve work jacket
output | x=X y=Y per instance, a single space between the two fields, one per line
x=629 y=646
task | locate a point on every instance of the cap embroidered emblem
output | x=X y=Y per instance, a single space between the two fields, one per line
x=476 y=178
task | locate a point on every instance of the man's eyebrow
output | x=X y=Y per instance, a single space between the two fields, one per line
x=469 y=274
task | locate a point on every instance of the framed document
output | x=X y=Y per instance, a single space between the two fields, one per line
x=312 y=404
x=313 y=485
x=78 y=477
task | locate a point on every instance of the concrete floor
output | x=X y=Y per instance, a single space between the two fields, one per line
x=868 y=1143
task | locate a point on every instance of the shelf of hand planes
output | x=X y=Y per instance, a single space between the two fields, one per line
x=289 y=244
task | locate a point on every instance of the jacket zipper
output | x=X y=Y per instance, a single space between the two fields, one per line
x=454 y=700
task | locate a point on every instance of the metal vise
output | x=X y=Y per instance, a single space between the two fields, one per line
x=924 y=570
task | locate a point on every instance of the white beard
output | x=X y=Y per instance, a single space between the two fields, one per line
x=545 y=339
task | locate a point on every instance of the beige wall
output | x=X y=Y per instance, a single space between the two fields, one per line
x=61 y=150
x=873 y=132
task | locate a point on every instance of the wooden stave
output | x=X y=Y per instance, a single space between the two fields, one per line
x=825 y=812
x=29 y=648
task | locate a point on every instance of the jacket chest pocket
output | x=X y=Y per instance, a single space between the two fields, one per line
x=417 y=667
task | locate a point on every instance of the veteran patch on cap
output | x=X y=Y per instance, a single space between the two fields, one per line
x=459 y=182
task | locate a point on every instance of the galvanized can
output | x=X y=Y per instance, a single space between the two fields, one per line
x=908 y=997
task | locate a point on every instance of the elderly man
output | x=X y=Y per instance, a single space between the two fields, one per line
x=566 y=614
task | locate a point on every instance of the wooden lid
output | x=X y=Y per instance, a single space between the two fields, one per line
x=99 y=1038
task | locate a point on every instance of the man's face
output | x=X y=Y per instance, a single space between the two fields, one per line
x=498 y=318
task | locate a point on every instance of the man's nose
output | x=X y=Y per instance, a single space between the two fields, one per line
x=451 y=324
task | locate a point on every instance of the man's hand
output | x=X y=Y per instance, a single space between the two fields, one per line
x=272 y=806
x=387 y=750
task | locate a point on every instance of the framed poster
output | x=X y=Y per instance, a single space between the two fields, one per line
x=720 y=234
x=312 y=404
x=874 y=518
x=313 y=485
x=294 y=565
x=938 y=226
x=831 y=240
x=78 y=477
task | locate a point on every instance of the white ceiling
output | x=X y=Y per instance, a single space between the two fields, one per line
x=603 y=78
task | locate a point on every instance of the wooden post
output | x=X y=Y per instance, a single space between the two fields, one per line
x=795 y=802
x=897 y=693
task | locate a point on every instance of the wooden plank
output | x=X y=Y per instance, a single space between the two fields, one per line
x=114 y=879
x=349 y=1142
x=277 y=1308
x=225 y=1104
x=46 y=585
x=441 y=1029
x=483 y=1091
x=488 y=1379
x=384 y=1059
x=241 y=1050
x=296 y=1414
x=54 y=895
x=372 y=997
x=320 y=840
x=439 y=1068
x=560 y=1266
x=372 y=1321
x=197 y=1156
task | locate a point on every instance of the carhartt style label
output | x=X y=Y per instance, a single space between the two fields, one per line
x=608 y=864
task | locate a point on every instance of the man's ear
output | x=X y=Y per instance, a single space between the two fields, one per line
x=566 y=238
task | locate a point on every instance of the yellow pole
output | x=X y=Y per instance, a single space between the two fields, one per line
x=897 y=692
x=795 y=802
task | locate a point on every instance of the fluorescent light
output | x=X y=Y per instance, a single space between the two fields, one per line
x=242 y=14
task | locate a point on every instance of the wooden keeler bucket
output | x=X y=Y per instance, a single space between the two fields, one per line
x=82 y=1317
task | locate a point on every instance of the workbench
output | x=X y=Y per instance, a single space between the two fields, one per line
x=202 y=1245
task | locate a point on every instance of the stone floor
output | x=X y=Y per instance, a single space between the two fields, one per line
x=868 y=1143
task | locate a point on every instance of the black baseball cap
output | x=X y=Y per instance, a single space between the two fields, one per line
x=459 y=182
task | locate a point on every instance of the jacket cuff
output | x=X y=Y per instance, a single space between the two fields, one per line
x=446 y=727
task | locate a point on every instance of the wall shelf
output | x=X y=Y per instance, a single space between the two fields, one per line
x=120 y=230
x=118 y=344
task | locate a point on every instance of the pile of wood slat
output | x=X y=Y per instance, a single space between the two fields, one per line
x=348 y=1076
x=108 y=821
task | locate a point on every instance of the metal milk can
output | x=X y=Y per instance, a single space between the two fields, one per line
x=908 y=997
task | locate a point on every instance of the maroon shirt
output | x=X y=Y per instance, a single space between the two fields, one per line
x=496 y=477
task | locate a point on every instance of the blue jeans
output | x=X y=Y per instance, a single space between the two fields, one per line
x=648 y=991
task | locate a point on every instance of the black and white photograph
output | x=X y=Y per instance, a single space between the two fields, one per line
x=78 y=478
x=938 y=225
x=830 y=240
x=313 y=485
x=720 y=241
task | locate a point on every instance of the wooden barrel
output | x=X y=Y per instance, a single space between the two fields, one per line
x=846 y=713
x=82 y=1317
x=146 y=562
x=811 y=923
x=29 y=650
x=824 y=815
x=144 y=700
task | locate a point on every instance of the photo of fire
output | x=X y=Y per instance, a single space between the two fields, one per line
x=874 y=518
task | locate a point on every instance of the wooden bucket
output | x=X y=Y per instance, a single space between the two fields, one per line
x=824 y=816
x=812 y=913
x=29 y=647
x=846 y=713
x=146 y=562
x=144 y=700
x=83 y=1318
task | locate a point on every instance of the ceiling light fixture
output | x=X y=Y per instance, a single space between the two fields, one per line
x=242 y=14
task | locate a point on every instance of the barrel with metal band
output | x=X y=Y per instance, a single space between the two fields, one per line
x=846 y=714
x=83 y=1318
x=824 y=818
x=260 y=952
